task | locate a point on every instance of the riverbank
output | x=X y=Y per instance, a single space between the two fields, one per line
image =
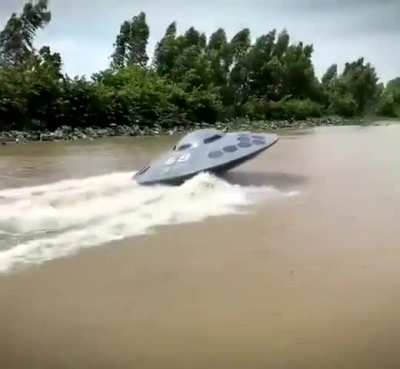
x=66 y=133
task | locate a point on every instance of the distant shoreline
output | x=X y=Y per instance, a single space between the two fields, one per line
x=66 y=133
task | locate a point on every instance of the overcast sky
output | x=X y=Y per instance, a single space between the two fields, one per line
x=83 y=31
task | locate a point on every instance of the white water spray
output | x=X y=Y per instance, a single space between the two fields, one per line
x=58 y=219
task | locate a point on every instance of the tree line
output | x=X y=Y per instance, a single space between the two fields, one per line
x=190 y=78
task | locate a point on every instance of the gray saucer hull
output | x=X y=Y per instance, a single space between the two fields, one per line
x=205 y=151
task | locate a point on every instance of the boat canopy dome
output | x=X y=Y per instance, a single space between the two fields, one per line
x=202 y=136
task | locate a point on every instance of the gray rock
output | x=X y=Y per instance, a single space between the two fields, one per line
x=90 y=132
x=47 y=137
x=59 y=134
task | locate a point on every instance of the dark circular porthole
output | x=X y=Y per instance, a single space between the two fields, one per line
x=184 y=147
x=244 y=138
x=244 y=144
x=215 y=154
x=142 y=171
x=230 y=148
x=259 y=142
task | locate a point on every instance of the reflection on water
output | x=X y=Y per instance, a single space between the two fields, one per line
x=278 y=180
x=308 y=281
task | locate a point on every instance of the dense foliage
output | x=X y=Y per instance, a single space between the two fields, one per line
x=191 y=78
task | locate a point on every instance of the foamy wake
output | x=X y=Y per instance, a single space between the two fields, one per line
x=55 y=220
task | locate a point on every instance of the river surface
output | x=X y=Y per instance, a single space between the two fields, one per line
x=291 y=261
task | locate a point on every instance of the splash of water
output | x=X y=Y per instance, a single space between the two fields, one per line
x=59 y=219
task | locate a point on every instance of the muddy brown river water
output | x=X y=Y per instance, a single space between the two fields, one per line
x=291 y=261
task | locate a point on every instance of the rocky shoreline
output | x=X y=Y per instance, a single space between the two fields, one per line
x=66 y=133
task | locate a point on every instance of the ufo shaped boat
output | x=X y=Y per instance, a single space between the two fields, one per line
x=205 y=150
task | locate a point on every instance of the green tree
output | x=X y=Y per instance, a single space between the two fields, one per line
x=191 y=80
x=182 y=58
x=238 y=77
x=218 y=40
x=51 y=61
x=192 y=68
x=330 y=76
x=389 y=102
x=16 y=39
x=298 y=72
x=29 y=94
x=282 y=43
x=131 y=43
x=362 y=83
x=219 y=55
x=272 y=70
x=355 y=91
x=394 y=86
x=240 y=44
x=192 y=37
x=263 y=67
x=166 y=51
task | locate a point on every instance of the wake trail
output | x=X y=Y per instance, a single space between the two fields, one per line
x=59 y=219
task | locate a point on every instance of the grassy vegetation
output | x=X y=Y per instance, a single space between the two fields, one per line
x=192 y=78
